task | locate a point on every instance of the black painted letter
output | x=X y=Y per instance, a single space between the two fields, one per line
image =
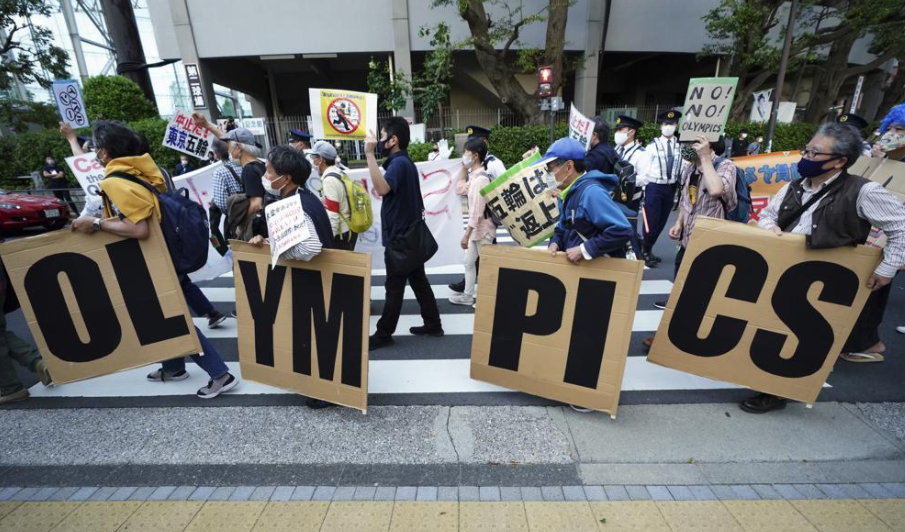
x=589 y=328
x=263 y=309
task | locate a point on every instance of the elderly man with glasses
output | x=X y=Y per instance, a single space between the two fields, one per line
x=836 y=209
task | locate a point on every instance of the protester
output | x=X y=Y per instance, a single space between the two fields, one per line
x=211 y=158
x=660 y=185
x=739 y=147
x=127 y=209
x=857 y=204
x=494 y=168
x=184 y=166
x=231 y=124
x=402 y=208
x=481 y=230
x=435 y=152
x=227 y=180
x=601 y=156
x=336 y=199
x=891 y=141
x=57 y=182
x=14 y=348
x=754 y=147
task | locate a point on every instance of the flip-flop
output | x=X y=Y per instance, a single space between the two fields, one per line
x=862 y=357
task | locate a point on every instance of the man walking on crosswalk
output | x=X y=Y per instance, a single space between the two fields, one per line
x=402 y=210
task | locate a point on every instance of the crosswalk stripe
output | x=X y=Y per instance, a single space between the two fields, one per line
x=384 y=377
x=453 y=324
x=441 y=291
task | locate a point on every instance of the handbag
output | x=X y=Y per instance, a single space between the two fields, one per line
x=217 y=240
x=411 y=248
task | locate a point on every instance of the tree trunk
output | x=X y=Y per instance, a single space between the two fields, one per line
x=894 y=93
x=557 y=16
x=829 y=79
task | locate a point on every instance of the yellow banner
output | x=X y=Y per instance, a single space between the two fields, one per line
x=768 y=172
x=342 y=114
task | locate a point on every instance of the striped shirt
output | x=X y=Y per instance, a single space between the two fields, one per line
x=226 y=184
x=306 y=249
x=874 y=204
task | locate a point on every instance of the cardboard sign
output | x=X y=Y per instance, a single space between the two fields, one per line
x=286 y=225
x=762 y=311
x=768 y=172
x=255 y=125
x=99 y=303
x=707 y=105
x=547 y=327
x=200 y=186
x=528 y=210
x=890 y=174
x=187 y=136
x=442 y=212
x=580 y=127
x=89 y=172
x=69 y=102
x=303 y=326
x=343 y=115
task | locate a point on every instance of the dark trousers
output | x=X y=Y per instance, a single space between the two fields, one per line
x=635 y=239
x=395 y=291
x=196 y=300
x=679 y=256
x=658 y=200
x=64 y=195
x=345 y=241
x=866 y=332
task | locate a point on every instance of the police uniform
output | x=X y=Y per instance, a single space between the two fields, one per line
x=859 y=123
x=663 y=175
x=495 y=167
x=637 y=156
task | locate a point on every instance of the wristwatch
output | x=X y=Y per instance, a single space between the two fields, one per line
x=96 y=224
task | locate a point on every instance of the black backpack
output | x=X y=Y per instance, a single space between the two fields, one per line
x=627 y=191
x=184 y=224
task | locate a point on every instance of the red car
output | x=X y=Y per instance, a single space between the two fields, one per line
x=18 y=211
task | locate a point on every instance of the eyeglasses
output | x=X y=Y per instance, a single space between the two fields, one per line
x=810 y=154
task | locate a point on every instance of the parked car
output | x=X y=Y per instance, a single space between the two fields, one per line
x=18 y=211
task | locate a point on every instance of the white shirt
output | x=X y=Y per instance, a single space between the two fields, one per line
x=636 y=155
x=659 y=152
x=495 y=167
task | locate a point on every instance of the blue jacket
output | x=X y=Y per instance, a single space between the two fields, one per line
x=587 y=208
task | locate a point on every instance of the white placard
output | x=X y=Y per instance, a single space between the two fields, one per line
x=89 y=172
x=286 y=226
x=580 y=127
x=186 y=136
x=707 y=105
x=70 y=104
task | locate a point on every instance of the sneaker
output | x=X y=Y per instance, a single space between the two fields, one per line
x=317 y=404
x=660 y=305
x=233 y=314
x=900 y=329
x=43 y=373
x=581 y=409
x=461 y=299
x=435 y=331
x=214 y=319
x=376 y=342
x=762 y=403
x=14 y=397
x=165 y=376
x=457 y=287
x=217 y=386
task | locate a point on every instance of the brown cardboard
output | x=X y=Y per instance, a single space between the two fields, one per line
x=890 y=174
x=543 y=358
x=527 y=209
x=328 y=263
x=22 y=255
x=780 y=254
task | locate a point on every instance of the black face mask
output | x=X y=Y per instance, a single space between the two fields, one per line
x=381 y=150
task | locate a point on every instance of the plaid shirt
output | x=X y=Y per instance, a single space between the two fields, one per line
x=225 y=185
x=697 y=202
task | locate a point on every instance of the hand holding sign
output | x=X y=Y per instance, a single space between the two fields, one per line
x=70 y=104
x=286 y=225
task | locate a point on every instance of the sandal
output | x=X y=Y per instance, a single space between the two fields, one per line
x=862 y=357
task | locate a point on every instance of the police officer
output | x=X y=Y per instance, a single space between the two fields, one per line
x=494 y=167
x=300 y=140
x=660 y=190
x=629 y=150
x=859 y=123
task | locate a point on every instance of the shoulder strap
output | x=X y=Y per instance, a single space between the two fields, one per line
x=132 y=178
x=235 y=175
x=807 y=205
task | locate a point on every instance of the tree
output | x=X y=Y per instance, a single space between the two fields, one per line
x=116 y=98
x=431 y=86
x=37 y=61
x=493 y=40
x=894 y=93
x=18 y=115
x=391 y=93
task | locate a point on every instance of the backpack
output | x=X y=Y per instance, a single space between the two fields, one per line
x=184 y=223
x=742 y=211
x=627 y=191
x=361 y=217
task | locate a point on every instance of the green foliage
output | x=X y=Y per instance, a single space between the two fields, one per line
x=509 y=143
x=391 y=95
x=18 y=115
x=38 y=61
x=154 y=129
x=431 y=86
x=116 y=98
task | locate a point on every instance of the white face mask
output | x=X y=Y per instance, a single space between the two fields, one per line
x=269 y=188
x=550 y=179
x=668 y=131
x=620 y=137
x=467 y=160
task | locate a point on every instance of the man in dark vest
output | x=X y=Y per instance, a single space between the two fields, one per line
x=842 y=215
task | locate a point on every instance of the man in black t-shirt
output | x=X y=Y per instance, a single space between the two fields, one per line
x=56 y=179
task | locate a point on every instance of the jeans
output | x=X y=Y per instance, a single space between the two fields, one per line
x=13 y=348
x=212 y=363
x=395 y=291
x=658 y=200
x=194 y=297
x=471 y=260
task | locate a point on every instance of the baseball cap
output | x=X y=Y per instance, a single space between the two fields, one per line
x=242 y=135
x=564 y=148
x=323 y=149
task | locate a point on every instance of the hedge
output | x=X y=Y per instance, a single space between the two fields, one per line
x=419 y=151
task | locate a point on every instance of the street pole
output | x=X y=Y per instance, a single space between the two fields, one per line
x=73 y=28
x=130 y=56
x=552 y=121
x=781 y=76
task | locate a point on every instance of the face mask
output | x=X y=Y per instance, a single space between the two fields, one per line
x=668 y=131
x=620 y=137
x=689 y=154
x=892 y=141
x=382 y=149
x=551 y=181
x=809 y=168
x=268 y=186
x=467 y=160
